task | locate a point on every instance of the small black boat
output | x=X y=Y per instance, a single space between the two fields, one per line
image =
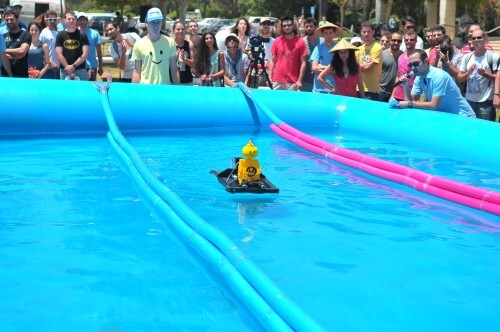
x=229 y=179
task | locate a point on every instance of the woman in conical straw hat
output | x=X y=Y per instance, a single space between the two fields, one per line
x=345 y=71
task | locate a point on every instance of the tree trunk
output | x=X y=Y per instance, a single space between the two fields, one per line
x=388 y=8
x=342 y=13
x=366 y=10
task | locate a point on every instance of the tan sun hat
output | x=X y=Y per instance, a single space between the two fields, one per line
x=343 y=44
x=327 y=25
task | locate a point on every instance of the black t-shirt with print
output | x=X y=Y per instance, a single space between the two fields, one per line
x=72 y=46
x=19 y=67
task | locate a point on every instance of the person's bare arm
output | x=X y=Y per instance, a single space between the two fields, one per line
x=6 y=63
x=136 y=74
x=174 y=70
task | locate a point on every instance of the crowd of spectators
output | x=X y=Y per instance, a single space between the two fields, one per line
x=300 y=56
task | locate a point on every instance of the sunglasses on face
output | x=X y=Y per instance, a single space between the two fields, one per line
x=476 y=38
x=410 y=27
x=265 y=24
x=414 y=64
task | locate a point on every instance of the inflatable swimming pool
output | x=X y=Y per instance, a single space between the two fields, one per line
x=50 y=110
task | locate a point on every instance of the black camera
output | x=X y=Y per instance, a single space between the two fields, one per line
x=256 y=41
x=257 y=47
x=445 y=46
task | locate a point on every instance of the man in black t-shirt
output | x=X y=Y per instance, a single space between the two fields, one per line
x=72 y=48
x=18 y=43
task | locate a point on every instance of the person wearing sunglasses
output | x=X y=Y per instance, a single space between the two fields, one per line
x=409 y=23
x=410 y=38
x=441 y=92
x=478 y=69
x=48 y=36
x=390 y=57
x=288 y=58
x=470 y=47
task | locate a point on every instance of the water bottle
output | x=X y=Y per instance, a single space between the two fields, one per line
x=180 y=63
x=109 y=77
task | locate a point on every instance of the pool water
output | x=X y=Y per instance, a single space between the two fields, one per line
x=81 y=252
x=355 y=252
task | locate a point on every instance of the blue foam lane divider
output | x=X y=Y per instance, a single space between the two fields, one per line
x=260 y=105
x=274 y=309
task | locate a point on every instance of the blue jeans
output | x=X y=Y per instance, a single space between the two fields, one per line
x=52 y=74
x=484 y=110
x=81 y=73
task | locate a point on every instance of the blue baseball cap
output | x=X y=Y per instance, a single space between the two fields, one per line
x=154 y=14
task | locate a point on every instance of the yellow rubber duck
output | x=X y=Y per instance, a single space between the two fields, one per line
x=249 y=168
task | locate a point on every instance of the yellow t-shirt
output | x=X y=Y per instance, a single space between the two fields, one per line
x=371 y=79
x=155 y=58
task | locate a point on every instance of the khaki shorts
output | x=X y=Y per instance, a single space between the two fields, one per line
x=285 y=86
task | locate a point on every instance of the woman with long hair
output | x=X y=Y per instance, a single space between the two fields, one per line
x=242 y=30
x=38 y=53
x=345 y=71
x=209 y=66
x=185 y=53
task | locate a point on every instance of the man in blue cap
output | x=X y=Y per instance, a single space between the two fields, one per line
x=155 y=54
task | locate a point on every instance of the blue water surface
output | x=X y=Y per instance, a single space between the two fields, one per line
x=81 y=250
x=356 y=252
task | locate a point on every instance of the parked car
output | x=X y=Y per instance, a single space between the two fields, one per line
x=141 y=26
x=98 y=21
x=204 y=23
x=214 y=27
x=255 y=21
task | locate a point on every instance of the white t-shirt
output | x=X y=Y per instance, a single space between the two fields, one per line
x=479 y=88
x=48 y=37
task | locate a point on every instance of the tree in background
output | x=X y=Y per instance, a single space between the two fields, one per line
x=342 y=4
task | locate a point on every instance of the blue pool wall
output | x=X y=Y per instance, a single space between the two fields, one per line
x=52 y=107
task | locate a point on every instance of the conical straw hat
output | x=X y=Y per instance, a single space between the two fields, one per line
x=343 y=44
x=319 y=31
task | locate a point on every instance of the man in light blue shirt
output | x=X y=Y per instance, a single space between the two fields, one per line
x=92 y=64
x=321 y=58
x=440 y=90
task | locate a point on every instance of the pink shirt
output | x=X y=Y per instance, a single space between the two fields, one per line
x=288 y=53
x=403 y=61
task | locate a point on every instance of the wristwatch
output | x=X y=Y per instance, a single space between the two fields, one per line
x=410 y=104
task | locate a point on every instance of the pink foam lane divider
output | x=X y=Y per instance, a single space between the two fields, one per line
x=481 y=199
